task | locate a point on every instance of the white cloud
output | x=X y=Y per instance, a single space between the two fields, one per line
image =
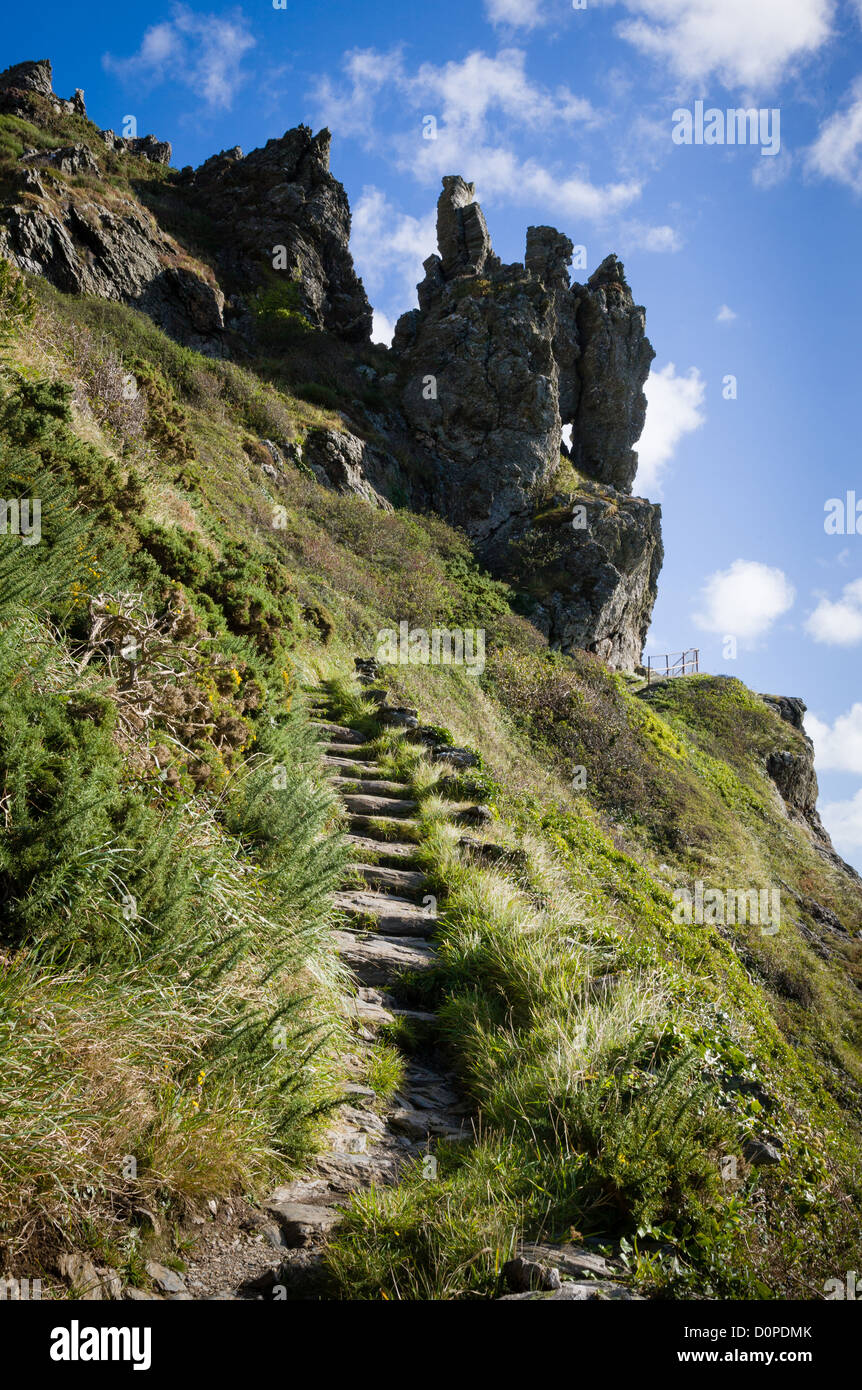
x=837 y=151
x=639 y=236
x=673 y=410
x=389 y=246
x=382 y=328
x=725 y=314
x=838 y=624
x=843 y=820
x=350 y=110
x=744 y=600
x=201 y=51
x=521 y=14
x=460 y=95
x=467 y=90
x=769 y=173
x=838 y=746
x=742 y=43
x=479 y=105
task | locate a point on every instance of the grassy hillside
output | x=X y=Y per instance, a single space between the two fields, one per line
x=167 y=989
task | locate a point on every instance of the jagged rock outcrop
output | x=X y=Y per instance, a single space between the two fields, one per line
x=612 y=367
x=590 y=562
x=23 y=84
x=348 y=464
x=98 y=241
x=494 y=363
x=792 y=768
x=144 y=146
x=85 y=245
x=284 y=196
x=490 y=370
x=29 y=77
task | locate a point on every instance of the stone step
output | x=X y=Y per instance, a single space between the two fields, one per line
x=425 y=1124
x=393 y=916
x=380 y=828
x=367 y=786
x=379 y=1015
x=401 y=881
x=349 y=750
x=415 y=1016
x=368 y=1012
x=400 y=852
x=352 y=767
x=376 y=959
x=301 y=1223
x=440 y=1097
x=349 y=1172
x=381 y=1000
x=386 y=806
x=340 y=732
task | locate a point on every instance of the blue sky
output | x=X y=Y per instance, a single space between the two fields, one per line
x=747 y=261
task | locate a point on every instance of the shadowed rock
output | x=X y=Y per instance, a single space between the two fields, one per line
x=493 y=365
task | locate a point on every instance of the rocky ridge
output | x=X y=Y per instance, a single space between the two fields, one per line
x=290 y=222
x=485 y=379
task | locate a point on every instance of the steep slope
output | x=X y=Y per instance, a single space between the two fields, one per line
x=214 y=538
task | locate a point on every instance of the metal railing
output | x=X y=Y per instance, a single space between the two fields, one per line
x=685 y=663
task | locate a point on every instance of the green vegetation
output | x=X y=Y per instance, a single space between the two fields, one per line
x=615 y=1058
x=169 y=846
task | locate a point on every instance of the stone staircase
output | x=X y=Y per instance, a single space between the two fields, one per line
x=388 y=922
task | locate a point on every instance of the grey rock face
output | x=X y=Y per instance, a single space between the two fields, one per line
x=794 y=776
x=493 y=364
x=93 y=243
x=70 y=159
x=84 y=247
x=283 y=195
x=347 y=464
x=145 y=146
x=29 y=77
x=594 y=585
x=789 y=708
x=462 y=231
x=612 y=368
x=792 y=768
